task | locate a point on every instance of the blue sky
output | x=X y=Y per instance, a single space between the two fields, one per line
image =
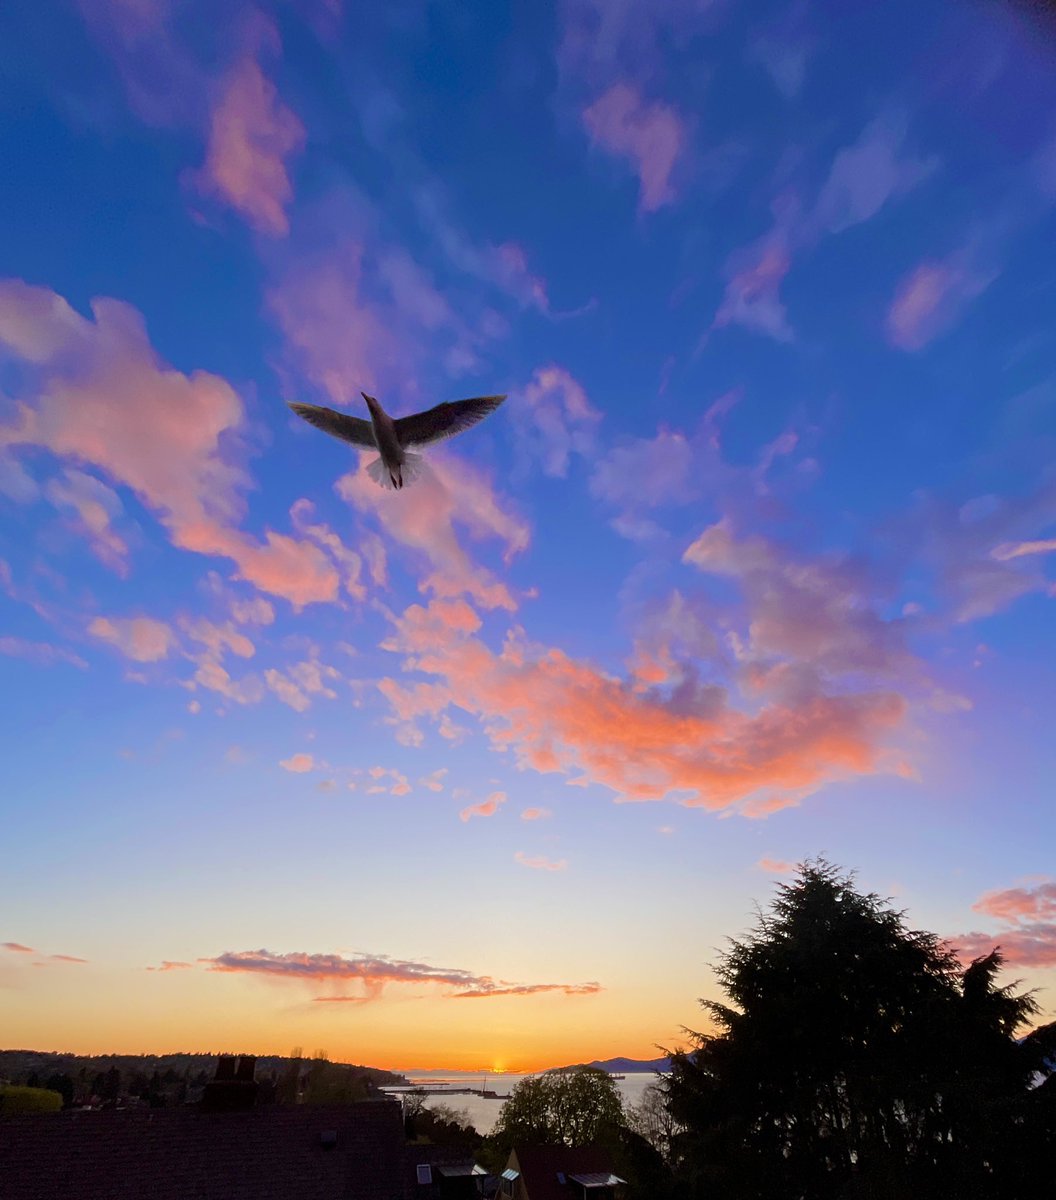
x=754 y=563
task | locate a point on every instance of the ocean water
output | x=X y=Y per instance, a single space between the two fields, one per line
x=484 y=1113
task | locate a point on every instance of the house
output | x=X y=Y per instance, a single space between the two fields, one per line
x=354 y=1152
x=443 y=1173
x=560 y=1173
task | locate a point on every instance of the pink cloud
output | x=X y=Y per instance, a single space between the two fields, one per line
x=539 y=863
x=143 y=639
x=167 y=965
x=816 y=612
x=753 y=290
x=650 y=134
x=1029 y=936
x=298 y=763
x=931 y=298
x=252 y=134
x=356 y=317
x=535 y=814
x=1010 y=550
x=301 y=681
x=43 y=653
x=776 y=866
x=400 y=785
x=100 y=395
x=486 y=808
x=95 y=506
x=215 y=678
x=1015 y=905
x=371 y=974
x=66 y=958
x=17 y=948
x=450 y=492
x=434 y=782
x=1024 y=946
x=554 y=419
x=339 y=340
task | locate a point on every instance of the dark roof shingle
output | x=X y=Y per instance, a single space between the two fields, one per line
x=184 y=1154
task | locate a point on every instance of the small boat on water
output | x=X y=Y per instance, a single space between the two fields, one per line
x=617 y=1076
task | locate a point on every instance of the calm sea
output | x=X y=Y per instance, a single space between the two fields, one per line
x=484 y=1113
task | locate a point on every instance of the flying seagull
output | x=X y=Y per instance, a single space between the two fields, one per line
x=393 y=438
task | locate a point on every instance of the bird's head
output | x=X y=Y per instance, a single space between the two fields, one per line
x=372 y=404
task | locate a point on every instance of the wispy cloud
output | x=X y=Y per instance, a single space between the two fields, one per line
x=931 y=298
x=538 y=862
x=371 y=974
x=451 y=492
x=554 y=419
x=536 y=814
x=17 y=948
x=42 y=653
x=752 y=297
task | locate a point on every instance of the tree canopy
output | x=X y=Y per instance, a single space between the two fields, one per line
x=856 y=1057
x=576 y=1108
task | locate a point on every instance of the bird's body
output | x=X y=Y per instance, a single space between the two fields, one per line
x=393 y=438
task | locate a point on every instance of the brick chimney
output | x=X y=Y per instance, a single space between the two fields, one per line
x=233 y=1089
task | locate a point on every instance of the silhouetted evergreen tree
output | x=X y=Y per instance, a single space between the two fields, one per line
x=856 y=1059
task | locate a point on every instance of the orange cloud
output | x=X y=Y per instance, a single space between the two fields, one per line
x=535 y=814
x=486 y=808
x=539 y=863
x=251 y=136
x=372 y=973
x=556 y=713
x=167 y=965
x=298 y=763
x=96 y=392
x=143 y=639
x=651 y=135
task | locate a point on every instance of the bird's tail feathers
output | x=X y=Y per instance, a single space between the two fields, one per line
x=410 y=470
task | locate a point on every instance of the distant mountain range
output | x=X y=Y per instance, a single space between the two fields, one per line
x=626 y=1066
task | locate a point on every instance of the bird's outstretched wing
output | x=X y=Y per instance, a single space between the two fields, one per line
x=445 y=420
x=337 y=424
